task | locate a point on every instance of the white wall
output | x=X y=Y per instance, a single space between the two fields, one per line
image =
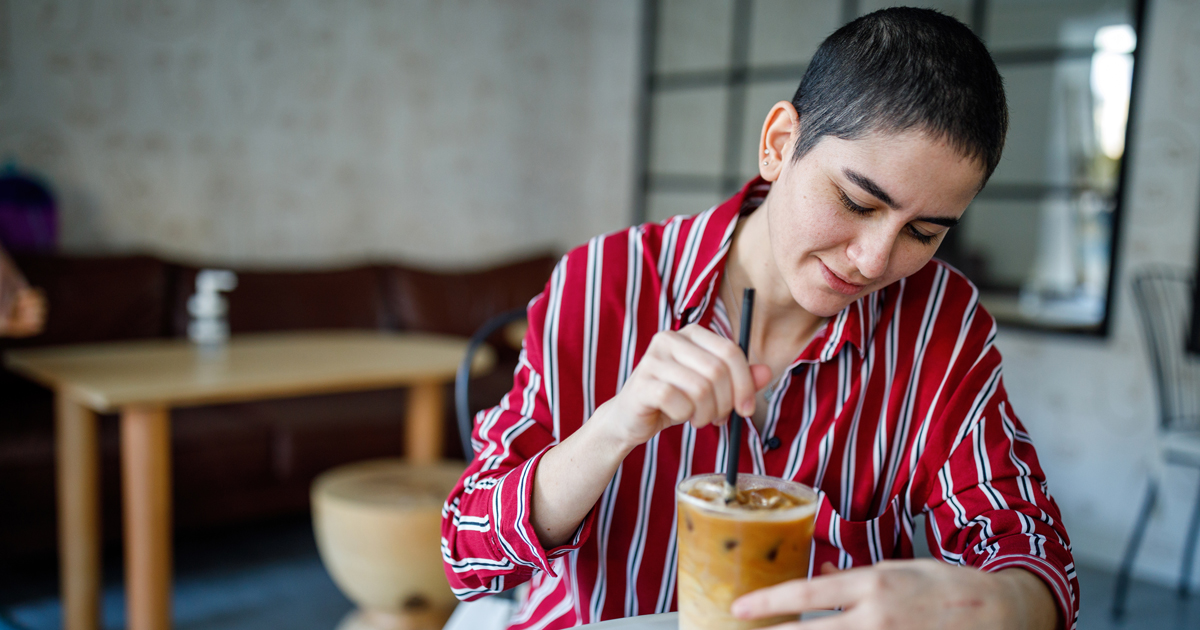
x=319 y=131
x=1089 y=403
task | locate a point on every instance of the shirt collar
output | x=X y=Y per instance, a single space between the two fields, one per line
x=712 y=233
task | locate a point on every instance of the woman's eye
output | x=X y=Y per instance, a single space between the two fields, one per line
x=921 y=237
x=851 y=206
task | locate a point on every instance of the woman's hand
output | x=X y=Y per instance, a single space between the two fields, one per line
x=693 y=375
x=902 y=594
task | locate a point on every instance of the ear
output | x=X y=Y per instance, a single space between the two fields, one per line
x=778 y=139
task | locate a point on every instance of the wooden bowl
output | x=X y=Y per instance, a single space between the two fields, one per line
x=378 y=529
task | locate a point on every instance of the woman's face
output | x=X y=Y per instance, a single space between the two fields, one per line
x=853 y=216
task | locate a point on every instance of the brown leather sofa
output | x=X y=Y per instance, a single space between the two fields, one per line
x=235 y=463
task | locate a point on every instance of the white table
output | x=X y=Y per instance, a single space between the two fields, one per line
x=670 y=621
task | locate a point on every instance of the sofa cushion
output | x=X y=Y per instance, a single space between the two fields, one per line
x=97 y=298
x=311 y=434
x=460 y=302
x=291 y=300
x=218 y=447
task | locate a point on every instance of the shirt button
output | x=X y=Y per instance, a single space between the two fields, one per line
x=773 y=443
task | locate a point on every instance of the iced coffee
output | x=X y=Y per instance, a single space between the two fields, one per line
x=729 y=549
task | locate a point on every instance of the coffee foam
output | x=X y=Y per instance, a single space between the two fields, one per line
x=789 y=501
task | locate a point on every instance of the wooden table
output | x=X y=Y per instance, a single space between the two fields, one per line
x=143 y=380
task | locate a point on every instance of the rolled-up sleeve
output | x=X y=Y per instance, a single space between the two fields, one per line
x=989 y=505
x=488 y=540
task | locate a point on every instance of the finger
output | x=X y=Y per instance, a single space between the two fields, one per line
x=849 y=620
x=741 y=381
x=667 y=400
x=828 y=568
x=715 y=375
x=664 y=367
x=657 y=384
x=762 y=376
x=834 y=620
x=697 y=388
x=843 y=589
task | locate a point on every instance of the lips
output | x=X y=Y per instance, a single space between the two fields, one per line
x=836 y=282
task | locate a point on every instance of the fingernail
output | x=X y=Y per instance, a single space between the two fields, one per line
x=738 y=609
x=746 y=408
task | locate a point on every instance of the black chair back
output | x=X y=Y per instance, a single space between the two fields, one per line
x=462 y=380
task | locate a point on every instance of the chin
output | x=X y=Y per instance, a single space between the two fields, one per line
x=822 y=302
x=829 y=308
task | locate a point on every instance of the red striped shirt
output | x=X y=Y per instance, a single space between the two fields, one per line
x=895 y=408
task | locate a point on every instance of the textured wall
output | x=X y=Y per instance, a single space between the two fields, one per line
x=318 y=131
x=1089 y=403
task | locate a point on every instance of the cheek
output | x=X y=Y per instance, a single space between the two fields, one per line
x=908 y=258
x=800 y=231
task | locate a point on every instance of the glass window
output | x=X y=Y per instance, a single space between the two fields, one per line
x=1038 y=240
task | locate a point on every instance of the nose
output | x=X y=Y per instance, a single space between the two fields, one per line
x=871 y=250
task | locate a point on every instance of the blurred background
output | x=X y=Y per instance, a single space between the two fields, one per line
x=367 y=164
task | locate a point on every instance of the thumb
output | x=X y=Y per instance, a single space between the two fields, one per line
x=828 y=569
x=761 y=374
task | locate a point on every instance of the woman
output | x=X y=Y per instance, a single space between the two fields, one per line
x=872 y=375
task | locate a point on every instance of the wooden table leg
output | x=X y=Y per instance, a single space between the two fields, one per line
x=423 y=430
x=78 y=477
x=146 y=483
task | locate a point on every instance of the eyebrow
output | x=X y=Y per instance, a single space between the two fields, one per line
x=869 y=185
x=873 y=189
x=944 y=222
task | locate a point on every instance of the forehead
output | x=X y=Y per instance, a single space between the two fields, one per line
x=917 y=170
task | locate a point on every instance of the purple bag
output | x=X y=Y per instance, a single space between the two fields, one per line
x=28 y=214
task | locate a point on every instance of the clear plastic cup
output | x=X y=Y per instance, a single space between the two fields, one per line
x=726 y=551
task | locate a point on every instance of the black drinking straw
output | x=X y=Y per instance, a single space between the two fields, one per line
x=736 y=420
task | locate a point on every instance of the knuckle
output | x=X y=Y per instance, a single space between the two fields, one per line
x=689 y=384
x=731 y=352
x=879 y=582
x=704 y=408
x=713 y=370
x=698 y=386
x=658 y=391
x=675 y=410
x=664 y=338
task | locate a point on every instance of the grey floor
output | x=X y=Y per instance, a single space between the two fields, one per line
x=260 y=577
x=269 y=576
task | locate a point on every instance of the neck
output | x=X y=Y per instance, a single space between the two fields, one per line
x=778 y=320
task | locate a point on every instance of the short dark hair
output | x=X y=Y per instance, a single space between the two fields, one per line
x=903 y=69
